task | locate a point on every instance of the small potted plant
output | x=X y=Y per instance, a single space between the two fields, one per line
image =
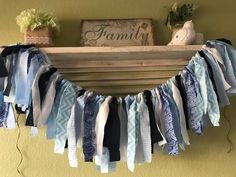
x=38 y=27
x=178 y=15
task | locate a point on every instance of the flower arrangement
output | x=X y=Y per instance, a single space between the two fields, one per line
x=179 y=14
x=30 y=19
x=38 y=27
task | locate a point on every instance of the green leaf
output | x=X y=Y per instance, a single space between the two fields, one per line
x=30 y=19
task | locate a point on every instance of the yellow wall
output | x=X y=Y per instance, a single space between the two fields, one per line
x=214 y=19
x=206 y=157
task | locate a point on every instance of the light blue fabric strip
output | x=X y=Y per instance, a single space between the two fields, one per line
x=66 y=103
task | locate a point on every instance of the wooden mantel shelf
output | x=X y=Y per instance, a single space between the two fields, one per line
x=120 y=70
x=120 y=49
x=138 y=52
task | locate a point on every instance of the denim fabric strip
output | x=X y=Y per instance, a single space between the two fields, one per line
x=175 y=113
x=171 y=146
x=12 y=60
x=227 y=80
x=194 y=101
x=11 y=66
x=228 y=54
x=127 y=103
x=89 y=146
x=4 y=108
x=21 y=77
x=223 y=98
x=36 y=62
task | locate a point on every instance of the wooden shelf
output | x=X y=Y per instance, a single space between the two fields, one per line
x=137 y=52
x=120 y=70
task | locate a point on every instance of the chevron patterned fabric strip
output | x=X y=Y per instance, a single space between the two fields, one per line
x=131 y=148
x=67 y=100
x=209 y=97
x=137 y=125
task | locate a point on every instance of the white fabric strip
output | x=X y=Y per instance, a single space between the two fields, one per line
x=36 y=94
x=34 y=131
x=101 y=122
x=159 y=111
x=72 y=156
x=49 y=100
x=11 y=120
x=145 y=130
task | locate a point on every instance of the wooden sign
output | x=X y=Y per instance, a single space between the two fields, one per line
x=117 y=32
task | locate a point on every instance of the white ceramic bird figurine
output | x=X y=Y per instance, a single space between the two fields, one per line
x=185 y=35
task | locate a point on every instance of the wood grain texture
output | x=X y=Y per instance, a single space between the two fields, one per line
x=120 y=70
